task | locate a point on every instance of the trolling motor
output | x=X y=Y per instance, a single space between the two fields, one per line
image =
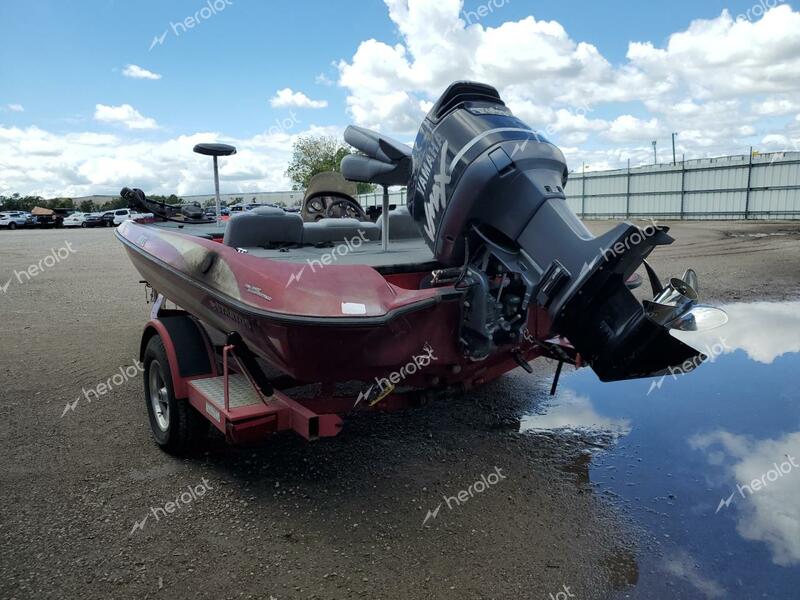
x=487 y=193
x=181 y=213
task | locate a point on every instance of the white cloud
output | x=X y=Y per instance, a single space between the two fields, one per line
x=770 y=514
x=123 y=114
x=776 y=106
x=722 y=84
x=682 y=565
x=627 y=128
x=35 y=161
x=137 y=72
x=323 y=79
x=763 y=330
x=287 y=98
x=713 y=82
x=575 y=412
x=15 y=107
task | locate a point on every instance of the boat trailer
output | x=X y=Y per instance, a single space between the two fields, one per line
x=227 y=387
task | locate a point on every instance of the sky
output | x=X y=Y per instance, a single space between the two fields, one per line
x=101 y=94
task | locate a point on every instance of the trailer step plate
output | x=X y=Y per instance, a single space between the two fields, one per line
x=241 y=392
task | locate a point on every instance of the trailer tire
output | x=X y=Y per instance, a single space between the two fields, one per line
x=177 y=426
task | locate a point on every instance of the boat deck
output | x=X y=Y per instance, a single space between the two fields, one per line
x=402 y=255
x=199 y=229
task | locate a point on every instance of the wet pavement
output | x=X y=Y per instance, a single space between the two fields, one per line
x=707 y=464
x=581 y=514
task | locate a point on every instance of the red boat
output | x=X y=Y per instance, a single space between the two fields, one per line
x=485 y=270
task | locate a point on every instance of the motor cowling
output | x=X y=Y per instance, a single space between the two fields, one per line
x=475 y=163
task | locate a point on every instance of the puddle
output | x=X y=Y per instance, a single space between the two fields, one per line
x=707 y=463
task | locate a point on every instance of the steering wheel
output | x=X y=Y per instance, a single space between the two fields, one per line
x=316 y=207
x=349 y=208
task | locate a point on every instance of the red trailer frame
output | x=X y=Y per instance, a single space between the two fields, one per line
x=227 y=394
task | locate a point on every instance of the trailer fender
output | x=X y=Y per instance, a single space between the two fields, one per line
x=189 y=351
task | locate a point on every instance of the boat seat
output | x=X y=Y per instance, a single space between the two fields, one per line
x=263 y=227
x=401 y=225
x=330 y=230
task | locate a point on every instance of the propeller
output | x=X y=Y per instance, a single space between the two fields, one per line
x=675 y=305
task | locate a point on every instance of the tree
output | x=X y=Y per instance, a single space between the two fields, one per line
x=86 y=206
x=317 y=154
x=114 y=204
x=17 y=202
x=59 y=203
x=171 y=199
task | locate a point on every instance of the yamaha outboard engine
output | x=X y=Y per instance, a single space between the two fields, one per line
x=487 y=192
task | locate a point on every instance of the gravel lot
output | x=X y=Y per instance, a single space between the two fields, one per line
x=341 y=518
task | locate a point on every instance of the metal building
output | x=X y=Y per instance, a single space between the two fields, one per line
x=759 y=186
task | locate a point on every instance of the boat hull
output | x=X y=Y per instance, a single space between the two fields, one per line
x=315 y=342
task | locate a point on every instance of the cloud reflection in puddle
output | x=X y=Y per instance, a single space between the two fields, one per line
x=770 y=514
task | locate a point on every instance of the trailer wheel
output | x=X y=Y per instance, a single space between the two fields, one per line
x=176 y=424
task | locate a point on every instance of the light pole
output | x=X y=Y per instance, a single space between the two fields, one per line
x=655 y=152
x=583 y=191
x=674 y=161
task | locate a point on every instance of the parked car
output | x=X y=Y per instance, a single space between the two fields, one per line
x=245 y=206
x=48 y=218
x=212 y=212
x=124 y=214
x=93 y=220
x=108 y=218
x=76 y=219
x=13 y=220
x=48 y=221
x=121 y=215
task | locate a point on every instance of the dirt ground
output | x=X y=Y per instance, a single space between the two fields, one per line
x=340 y=518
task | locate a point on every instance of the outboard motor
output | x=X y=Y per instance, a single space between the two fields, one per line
x=487 y=192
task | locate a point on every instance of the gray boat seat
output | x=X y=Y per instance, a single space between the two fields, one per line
x=401 y=225
x=330 y=230
x=262 y=227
